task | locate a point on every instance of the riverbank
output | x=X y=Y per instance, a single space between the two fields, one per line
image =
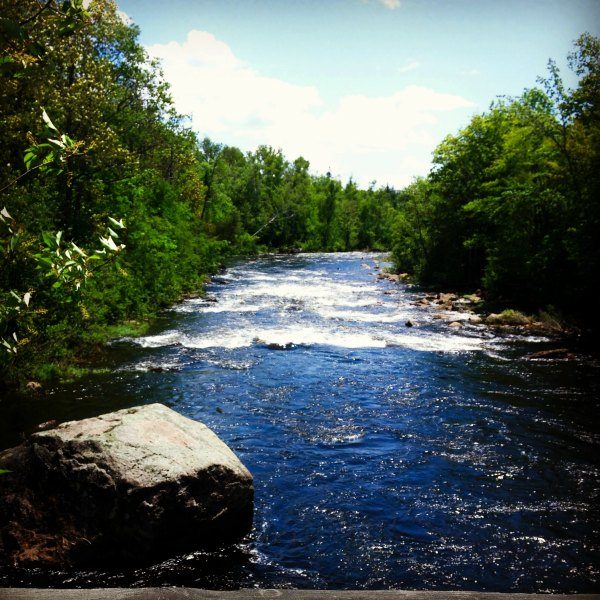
x=87 y=347
x=473 y=310
x=77 y=352
x=76 y=358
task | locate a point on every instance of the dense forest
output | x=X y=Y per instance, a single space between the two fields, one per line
x=112 y=207
x=512 y=203
x=95 y=159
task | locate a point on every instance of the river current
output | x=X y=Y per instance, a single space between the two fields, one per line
x=384 y=456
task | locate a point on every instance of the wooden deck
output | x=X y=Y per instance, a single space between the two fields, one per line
x=170 y=593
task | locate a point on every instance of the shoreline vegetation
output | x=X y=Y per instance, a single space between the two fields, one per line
x=506 y=321
x=471 y=309
x=113 y=209
x=501 y=319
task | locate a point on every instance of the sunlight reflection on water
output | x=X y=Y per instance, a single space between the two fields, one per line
x=383 y=456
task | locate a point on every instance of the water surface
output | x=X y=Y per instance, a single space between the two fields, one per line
x=383 y=455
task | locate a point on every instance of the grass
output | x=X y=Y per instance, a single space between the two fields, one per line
x=100 y=334
x=71 y=363
x=46 y=372
x=508 y=317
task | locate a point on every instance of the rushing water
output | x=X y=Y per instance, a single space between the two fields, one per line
x=383 y=456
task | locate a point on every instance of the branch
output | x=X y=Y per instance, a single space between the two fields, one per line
x=273 y=218
x=11 y=183
x=37 y=14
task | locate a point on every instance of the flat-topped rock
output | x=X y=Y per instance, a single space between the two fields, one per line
x=128 y=486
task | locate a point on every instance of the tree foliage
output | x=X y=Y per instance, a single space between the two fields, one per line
x=91 y=141
x=90 y=134
x=512 y=203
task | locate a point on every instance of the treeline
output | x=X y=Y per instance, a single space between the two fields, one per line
x=260 y=201
x=94 y=158
x=111 y=207
x=512 y=204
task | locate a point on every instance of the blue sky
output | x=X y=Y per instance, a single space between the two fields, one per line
x=366 y=88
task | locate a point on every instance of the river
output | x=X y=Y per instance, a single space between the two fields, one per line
x=383 y=455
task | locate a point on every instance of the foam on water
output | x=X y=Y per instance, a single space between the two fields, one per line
x=384 y=456
x=169 y=338
x=439 y=342
x=315 y=336
x=366 y=317
x=309 y=308
x=310 y=336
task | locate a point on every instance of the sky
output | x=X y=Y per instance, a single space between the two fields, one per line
x=362 y=88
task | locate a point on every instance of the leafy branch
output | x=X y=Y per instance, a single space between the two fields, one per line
x=69 y=265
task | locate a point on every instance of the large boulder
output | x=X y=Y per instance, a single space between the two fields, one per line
x=128 y=486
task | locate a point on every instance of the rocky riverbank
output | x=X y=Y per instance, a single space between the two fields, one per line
x=464 y=310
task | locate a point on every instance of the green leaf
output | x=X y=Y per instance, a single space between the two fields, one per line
x=42 y=259
x=28 y=158
x=9 y=67
x=36 y=49
x=11 y=29
x=48 y=239
x=47 y=120
x=109 y=243
x=78 y=250
x=116 y=223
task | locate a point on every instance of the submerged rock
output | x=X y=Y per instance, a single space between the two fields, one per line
x=552 y=354
x=280 y=346
x=128 y=486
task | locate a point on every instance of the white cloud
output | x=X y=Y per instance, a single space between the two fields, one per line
x=127 y=20
x=409 y=65
x=391 y=4
x=369 y=137
x=222 y=93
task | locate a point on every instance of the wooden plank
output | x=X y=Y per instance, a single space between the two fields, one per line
x=257 y=594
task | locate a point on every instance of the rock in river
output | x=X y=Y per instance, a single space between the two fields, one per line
x=128 y=486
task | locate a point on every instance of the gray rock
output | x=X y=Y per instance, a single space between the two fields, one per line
x=128 y=486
